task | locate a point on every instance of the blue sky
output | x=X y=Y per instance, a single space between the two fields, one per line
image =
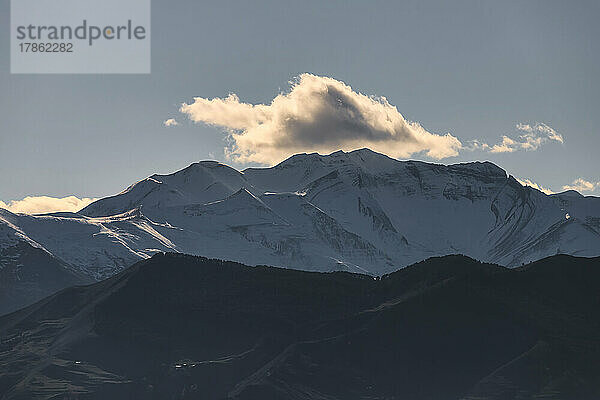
x=473 y=69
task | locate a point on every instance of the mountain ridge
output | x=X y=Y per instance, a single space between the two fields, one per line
x=359 y=211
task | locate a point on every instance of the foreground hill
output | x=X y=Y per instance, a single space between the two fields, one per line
x=184 y=327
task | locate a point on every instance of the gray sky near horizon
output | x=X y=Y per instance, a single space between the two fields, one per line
x=474 y=69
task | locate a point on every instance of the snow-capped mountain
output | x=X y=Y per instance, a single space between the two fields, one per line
x=359 y=211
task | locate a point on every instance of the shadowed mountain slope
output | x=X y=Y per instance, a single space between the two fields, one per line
x=28 y=274
x=184 y=327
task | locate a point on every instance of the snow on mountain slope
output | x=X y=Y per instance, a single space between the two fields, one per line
x=357 y=211
x=98 y=247
x=266 y=230
x=201 y=182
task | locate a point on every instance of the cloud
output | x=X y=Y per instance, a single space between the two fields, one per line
x=170 y=122
x=581 y=185
x=531 y=137
x=539 y=133
x=318 y=114
x=45 y=204
x=527 y=182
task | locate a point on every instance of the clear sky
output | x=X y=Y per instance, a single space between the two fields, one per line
x=474 y=69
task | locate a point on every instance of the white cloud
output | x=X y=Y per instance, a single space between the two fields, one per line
x=170 y=122
x=582 y=185
x=531 y=137
x=45 y=204
x=318 y=114
x=527 y=182
x=539 y=131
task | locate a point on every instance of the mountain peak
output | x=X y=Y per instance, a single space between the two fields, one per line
x=296 y=159
x=199 y=183
x=372 y=161
x=483 y=167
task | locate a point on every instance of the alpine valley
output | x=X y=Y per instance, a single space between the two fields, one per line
x=358 y=212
